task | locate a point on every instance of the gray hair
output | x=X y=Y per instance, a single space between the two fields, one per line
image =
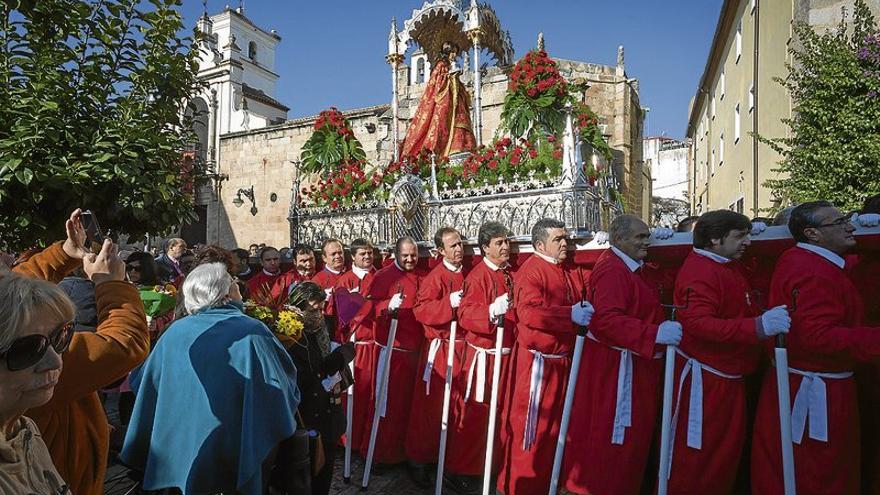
x=22 y=298
x=174 y=242
x=207 y=286
x=622 y=226
x=491 y=230
x=541 y=230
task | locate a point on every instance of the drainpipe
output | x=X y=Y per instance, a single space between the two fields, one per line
x=755 y=183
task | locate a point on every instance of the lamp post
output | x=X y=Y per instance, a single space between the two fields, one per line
x=473 y=32
x=249 y=194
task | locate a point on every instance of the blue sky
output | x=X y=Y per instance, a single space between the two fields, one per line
x=332 y=52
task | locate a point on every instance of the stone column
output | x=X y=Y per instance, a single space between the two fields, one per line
x=474 y=36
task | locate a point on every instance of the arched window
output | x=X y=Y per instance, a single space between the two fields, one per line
x=420 y=71
x=252 y=51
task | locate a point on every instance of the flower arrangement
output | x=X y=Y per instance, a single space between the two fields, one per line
x=536 y=94
x=332 y=143
x=280 y=314
x=346 y=185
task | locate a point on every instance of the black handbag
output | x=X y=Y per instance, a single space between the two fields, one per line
x=292 y=472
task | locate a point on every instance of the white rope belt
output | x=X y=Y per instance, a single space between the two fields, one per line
x=536 y=383
x=623 y=406
x=811 y=401
x=695 y=369
x=479 y=365
x=379 y=370
x=435 y=345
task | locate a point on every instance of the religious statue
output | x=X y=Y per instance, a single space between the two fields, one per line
x=442 y=123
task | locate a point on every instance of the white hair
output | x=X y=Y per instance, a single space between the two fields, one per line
x=23 y=298
x=207 y=286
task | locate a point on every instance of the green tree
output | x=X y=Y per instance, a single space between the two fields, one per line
x=833 y=149
x=91 y=100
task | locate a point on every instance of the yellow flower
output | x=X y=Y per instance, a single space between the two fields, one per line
x=261 y=313
x=289 y=323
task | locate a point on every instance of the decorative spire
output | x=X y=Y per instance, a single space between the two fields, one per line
x=541 y=41
x=393 y=40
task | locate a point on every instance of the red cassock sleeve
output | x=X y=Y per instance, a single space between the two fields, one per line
x=473 y=313
x=616 y=320
x=536 y=308
x=704 y=302
x=432 y=306
x=819 y=316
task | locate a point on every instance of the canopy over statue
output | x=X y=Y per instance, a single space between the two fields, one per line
x=442 y=123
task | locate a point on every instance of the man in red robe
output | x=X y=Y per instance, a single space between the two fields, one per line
x=550 y=303
x=617 y=396
x=827 y=340
x=485 y=299
x=304 y=261
x=393 y=291
x=271 y=284
x=357 y=281
x=333 y=255
x=438 y=299
x=721 y=345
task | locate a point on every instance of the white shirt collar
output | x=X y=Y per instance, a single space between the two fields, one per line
x=552 y=261
x=452 y=268
x=493 y=266
x=712 y=256
x=632 y=264
x=334 y=272
x=359 y=272
x=271 y=274
x=397 y=265
x=825 y=253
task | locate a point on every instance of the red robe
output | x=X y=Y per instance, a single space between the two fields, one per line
x=277 y=285
x=627 y=315
x=390 y=441
x=544 y=294
x=434 y=311
x=720 y=332
x=468 y=436
x=327 y=280
x=827 y=335
x=363 y=355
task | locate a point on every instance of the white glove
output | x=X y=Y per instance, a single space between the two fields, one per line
x=776 y=321
x=327 y=293
x=356 y=289
x=758 y=227
x=669 y=333
x=498 y=307
x=600 y=237
x=455 y=299
x=581 y=313
x=866 y=219
x=395 y=302
x=661 y=233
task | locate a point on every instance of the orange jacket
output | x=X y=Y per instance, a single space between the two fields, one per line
x=73 y=423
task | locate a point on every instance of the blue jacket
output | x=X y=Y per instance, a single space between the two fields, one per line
x=215 y=396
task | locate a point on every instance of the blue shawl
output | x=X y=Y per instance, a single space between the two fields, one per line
x=215 y=396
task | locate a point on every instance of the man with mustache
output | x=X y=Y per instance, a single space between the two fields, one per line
x=484 y=301
x=723 y=333
x=828 y=339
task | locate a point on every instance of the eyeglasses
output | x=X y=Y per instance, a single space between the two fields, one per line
x=27 y=351
x=840 y=222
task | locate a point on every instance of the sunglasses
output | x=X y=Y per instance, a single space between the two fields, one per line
x=27 y=351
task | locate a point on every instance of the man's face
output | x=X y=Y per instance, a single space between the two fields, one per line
x=363 y=258
x=177 y=251
x=305 y=263
x=452 y=249
x=498 y=250
x=253 y=249
x=635 y=242
x=271 y=261
x=408 y=256
x=833 y=231
x=334 y=256
x=733 y=245
x=556 y=245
